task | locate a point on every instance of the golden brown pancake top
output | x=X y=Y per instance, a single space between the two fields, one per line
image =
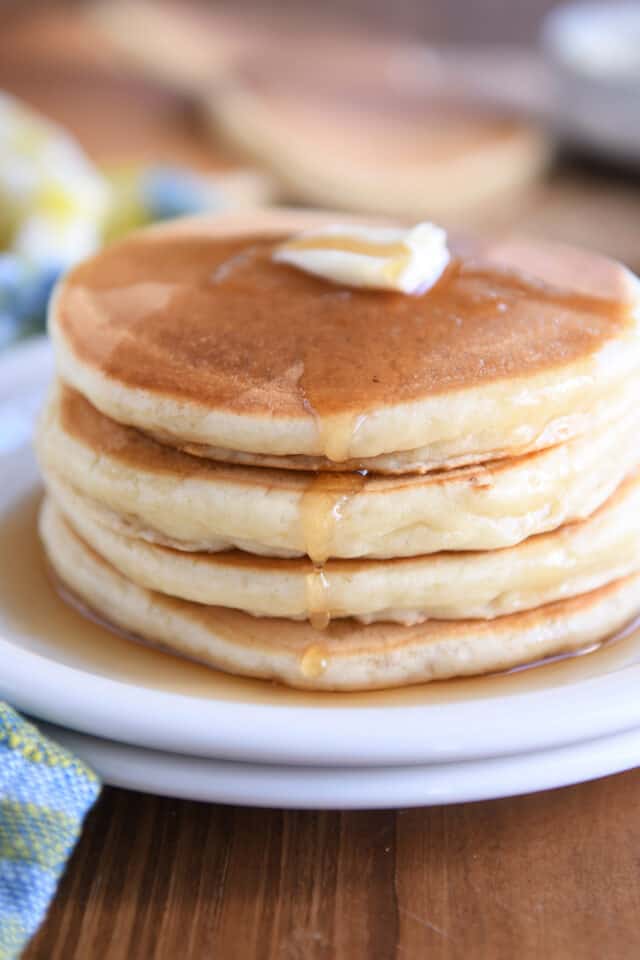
x=218 y=322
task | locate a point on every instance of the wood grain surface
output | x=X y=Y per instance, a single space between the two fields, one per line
x=553 y=875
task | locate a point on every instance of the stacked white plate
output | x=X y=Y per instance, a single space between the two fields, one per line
x=150 y=722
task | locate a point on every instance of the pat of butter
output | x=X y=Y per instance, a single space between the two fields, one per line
x=387 y=258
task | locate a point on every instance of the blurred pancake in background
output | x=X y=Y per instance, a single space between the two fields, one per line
x=60 y=65
x=374 y=147
x=340 y=116
x=197 y=55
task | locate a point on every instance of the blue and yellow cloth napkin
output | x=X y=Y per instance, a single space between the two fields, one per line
x=45 y=794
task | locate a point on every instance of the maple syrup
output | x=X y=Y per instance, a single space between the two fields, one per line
x=322 y=505
x=314 y=662
x=318 y=605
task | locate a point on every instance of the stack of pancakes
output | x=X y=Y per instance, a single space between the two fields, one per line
x=344 y=488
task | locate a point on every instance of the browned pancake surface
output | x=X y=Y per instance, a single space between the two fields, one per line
x=217 y=322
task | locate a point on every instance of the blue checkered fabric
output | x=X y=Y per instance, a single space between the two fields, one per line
x=45 y=794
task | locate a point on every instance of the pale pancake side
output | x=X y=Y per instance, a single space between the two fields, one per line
x=436 y=457
x=192 y=333
x=348 y=655
x=449 y=586
x=165 y=496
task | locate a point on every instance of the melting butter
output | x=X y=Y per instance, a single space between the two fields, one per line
x=386 y=258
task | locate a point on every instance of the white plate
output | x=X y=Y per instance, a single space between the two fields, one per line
x=295 y=787
x=87 y=679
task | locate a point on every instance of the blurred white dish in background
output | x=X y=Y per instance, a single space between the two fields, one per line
x=598 y=38
x=593 y=50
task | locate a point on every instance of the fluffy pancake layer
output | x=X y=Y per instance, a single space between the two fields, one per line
x=191 y=333
x=348 y=655
x=573 y=560
x=170 y=498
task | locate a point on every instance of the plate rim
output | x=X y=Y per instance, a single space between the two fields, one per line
x=323 y=736
x=264 y=785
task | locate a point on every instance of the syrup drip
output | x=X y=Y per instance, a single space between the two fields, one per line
x=337 y=433
x=323 y=505
x=314 y=662
x=318 y=601
x=322 y=509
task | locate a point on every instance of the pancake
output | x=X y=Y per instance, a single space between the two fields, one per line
x=621 y=403
x=167 y=497
x=192 y=333
x=346 y=656
x=368 y=151
x=449 y=586
x=436 y=458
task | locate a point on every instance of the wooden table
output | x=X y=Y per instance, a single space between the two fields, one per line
x=553 y=875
